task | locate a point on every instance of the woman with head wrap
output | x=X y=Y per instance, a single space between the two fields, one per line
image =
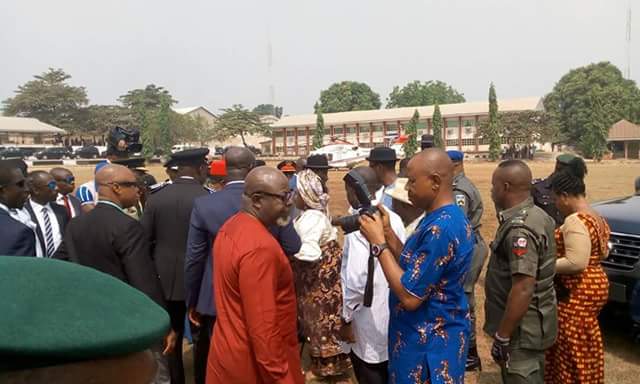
x=317 y=271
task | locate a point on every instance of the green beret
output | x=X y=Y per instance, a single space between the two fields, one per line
x=565 y=158
x=57 y=312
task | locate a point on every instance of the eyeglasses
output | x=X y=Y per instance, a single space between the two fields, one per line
x=69 y=180
x=285 y=198
x=52 y=185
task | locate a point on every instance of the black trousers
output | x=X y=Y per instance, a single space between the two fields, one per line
x=201 y=339
x=177 y=312
x=368 y=373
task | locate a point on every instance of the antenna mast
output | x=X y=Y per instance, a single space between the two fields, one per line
x=627 y=70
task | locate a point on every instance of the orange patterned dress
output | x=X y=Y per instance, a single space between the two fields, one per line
x=578 y=354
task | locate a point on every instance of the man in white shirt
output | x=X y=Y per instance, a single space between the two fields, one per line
x=50 y=218
x=369 y=344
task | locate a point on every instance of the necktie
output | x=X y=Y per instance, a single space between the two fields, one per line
x=48 y=232
x=65 y=198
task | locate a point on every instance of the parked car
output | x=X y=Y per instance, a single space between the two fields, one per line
x=622 y=265
x=13 y=152
x=54 y=153
x=88 y=152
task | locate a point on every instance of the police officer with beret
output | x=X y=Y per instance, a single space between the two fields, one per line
x=541 y=192
x=166 y=224
x=468 y=198
x=520 y=306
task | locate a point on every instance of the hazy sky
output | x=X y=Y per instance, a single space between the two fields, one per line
x=214 y=53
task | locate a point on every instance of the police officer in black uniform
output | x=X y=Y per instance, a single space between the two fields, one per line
x=468 y=198
x=520 y=306
x=426 y=141
x=166 y=223
x=541 y=192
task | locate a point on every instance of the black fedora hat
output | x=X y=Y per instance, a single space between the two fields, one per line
x=382 y=155
x=317 y=162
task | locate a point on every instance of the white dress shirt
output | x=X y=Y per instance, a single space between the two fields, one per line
x=369 y=324
x=315 y=230
x=55 y=226
x=60 y=201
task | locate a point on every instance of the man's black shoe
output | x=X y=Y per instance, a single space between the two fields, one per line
x=473 y=361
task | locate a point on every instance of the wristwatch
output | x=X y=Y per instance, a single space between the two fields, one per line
x=376 y=249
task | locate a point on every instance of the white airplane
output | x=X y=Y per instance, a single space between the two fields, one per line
x=343 y=155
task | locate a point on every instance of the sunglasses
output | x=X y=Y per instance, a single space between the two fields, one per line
x=52 y=185
x=125 y=184
x=285 y=197
x=69 y=180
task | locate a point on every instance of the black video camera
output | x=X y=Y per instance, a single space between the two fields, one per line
x=122 y=142
x=351 y=223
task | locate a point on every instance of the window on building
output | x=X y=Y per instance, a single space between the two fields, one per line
x=452 y=142
x=468 y=141
x=452 y=123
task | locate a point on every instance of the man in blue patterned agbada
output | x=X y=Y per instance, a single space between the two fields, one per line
x=429 y=314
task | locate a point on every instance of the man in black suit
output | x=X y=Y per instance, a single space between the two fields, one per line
x=50 y=218
x=66 y=184
x=208 y=215
x=166 y=224
x=16 y=239
x=109 y=240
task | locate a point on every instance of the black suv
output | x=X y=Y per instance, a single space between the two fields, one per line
x=13 y=152
x=623 y=263
x=88 y=152
x=53 y=153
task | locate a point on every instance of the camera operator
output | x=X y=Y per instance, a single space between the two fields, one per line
x=365 y=326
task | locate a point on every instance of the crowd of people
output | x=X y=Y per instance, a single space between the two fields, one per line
x=250 y=256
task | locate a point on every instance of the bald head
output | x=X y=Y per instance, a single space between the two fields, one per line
x=516 y=173
x=265 y=179
x=510 y=184
x=267 y=196
x=112 y=173
x=430 y=179
x=239 y=161
x=433 y=161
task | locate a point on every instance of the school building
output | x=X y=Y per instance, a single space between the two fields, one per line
x=293 y=135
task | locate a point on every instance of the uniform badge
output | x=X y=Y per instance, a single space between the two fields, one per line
x=460 y=200
x=519 y=247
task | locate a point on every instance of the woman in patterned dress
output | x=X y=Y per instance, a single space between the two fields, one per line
x=317 y=272
x=583 y=287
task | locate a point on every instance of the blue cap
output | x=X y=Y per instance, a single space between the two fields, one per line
x=455 y=156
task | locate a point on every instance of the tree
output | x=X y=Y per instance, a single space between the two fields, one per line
x=318 y=133
x=50 y=99
x=417 y=93
x=239 y=121
x=203 y=131
x=525 y=126
x=348 y=96
x=151 y=97
x=494 y=129
x=594 y=93
x=99 y=119
x=437 y=124
x=410 y=147
x=164 y=139
x=268 y=109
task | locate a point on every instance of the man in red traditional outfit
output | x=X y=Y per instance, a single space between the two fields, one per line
x=255 y=335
